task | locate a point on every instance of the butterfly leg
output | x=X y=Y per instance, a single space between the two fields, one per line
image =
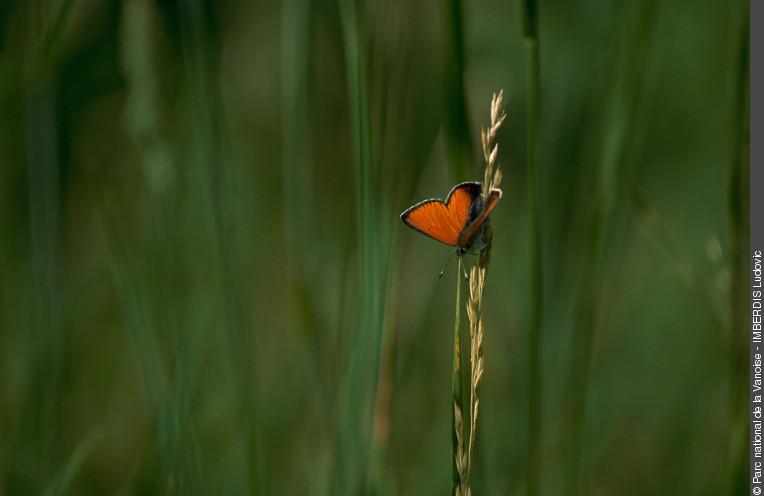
x=464 y=270
x=450 y=256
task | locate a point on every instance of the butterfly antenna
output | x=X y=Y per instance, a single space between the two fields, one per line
x=445 y=265
x=464 y=271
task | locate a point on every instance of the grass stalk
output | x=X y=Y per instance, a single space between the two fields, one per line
x=45 y=187
x=298 y=185
x=143 y=323
x=44 y=241
x=297 y=178
x=737 y=204
x=477 y=362
x=458 y=142
x=63 y=481
x=457 y=395
x=535 y=382
x=351 y=473
x=42 y=429
x=491 y=180
x=173 y=426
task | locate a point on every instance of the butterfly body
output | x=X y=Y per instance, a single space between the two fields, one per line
x=457 y=221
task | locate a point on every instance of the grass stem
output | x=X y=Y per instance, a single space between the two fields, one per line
x=353 y=447
x=535 y=383
x=458 y=141
x=738 y=200
x=457 y=397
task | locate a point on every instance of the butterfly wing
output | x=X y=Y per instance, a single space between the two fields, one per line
x=443 y=221
x=471 y=228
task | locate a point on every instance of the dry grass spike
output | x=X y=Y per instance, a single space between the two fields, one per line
x=477 y=362
x=477 y=277
x=492 y=175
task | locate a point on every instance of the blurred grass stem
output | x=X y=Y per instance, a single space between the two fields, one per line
x=738 y=201
x=351 y=474
x=535 y=382
x=458 y=142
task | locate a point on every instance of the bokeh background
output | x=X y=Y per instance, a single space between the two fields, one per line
x=206 y=288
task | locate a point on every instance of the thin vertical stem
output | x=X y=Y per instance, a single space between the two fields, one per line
x=41 y=127
x=44 y=189
x=353 y=448
x=458 y=141
x=297 y=177
x=457 y=398
x=535 y=383
x=738 y=200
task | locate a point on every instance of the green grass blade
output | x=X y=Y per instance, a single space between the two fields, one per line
x=353 y=446
x=458 y=141
x=535 y=380
x=457 y=394
x=63 y=481
x=738 y=215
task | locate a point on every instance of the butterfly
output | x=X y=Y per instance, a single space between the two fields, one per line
x=458 y=220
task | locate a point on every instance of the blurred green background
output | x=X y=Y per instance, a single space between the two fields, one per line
x=206 y=288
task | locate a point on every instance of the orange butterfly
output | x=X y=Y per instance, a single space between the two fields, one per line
x=456 y=220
